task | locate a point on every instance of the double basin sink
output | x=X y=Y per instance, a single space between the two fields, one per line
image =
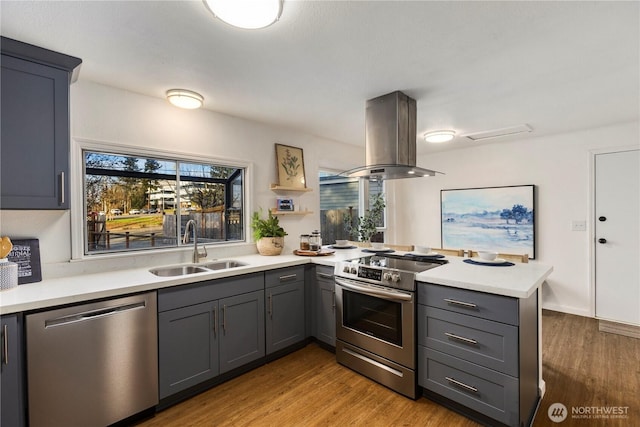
x=185 y=270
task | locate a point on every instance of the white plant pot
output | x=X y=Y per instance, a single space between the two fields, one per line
x=270 y=245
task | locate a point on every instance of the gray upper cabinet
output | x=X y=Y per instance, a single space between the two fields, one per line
x=35 y=126
x=285 y=314
x=12 y=410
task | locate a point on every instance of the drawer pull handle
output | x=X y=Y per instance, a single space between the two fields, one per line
x=462 y=303
x=462 y=385
x=5 y=344
x=463 y=339
x=215 y=323
x=288 y=277
x=325 y=276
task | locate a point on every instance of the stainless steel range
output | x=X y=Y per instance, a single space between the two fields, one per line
x=375 y=317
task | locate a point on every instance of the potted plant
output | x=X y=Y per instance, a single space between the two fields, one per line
x=366 y=225
x=268 y=234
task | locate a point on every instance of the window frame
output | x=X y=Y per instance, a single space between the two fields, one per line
x=77 y=214
x=363 y=194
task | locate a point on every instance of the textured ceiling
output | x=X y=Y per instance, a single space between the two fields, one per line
x=472 y=66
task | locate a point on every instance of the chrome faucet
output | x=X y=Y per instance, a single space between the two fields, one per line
x=185 y=239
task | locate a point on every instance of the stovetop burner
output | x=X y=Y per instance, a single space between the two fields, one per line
x=391 y=270
x=409 y=263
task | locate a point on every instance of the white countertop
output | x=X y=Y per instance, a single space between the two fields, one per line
x=518 y=281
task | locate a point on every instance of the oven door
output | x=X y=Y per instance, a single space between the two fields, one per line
x=376 y=319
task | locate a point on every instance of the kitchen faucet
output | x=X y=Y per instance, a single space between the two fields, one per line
x=185 y=239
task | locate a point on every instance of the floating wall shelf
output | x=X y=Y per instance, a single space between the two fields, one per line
x=277 y=212
x=276 y=187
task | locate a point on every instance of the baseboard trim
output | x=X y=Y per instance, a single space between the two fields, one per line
x=619 y=328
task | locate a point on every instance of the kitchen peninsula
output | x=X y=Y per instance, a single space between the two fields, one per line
x=520 y=282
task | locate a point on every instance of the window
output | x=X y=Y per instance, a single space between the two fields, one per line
x=340 y=196
x=138 y=203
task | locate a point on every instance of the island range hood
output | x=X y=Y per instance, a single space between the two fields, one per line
x=390 y=140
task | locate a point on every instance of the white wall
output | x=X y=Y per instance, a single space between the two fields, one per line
x=558 y=165
x=107 y=114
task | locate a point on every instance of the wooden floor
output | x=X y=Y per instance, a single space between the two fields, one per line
x=581 y=366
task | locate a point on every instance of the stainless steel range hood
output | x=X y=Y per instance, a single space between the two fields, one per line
x=390 y=140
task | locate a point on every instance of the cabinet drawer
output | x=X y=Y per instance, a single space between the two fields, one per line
x=324 y=272
x=209 y=290
x=282 y=276
x=487 y=343
x=479 y=304
x=483 y=390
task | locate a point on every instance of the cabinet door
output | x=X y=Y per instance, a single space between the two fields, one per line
x=188 y=346
x=285 y=316
x=326 y=310
x=35 y=135
x=11 y=409
x=241 y=320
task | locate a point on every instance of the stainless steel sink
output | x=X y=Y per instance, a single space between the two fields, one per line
x=221 y=265
x=184 y=270
x=177 y=271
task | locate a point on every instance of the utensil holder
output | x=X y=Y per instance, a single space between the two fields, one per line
x=8 y=274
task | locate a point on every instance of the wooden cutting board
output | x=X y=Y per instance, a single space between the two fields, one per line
x=322 y=252
x=5 y=247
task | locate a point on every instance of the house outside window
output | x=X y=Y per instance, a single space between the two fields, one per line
x=339 y=197
x=143 y=203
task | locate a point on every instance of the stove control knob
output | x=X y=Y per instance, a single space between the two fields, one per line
x=386 y=276
x=354 y=270
x=346 y=269
x=395 y=277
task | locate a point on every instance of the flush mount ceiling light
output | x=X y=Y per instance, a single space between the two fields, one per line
x=185 y=98
x=439 y=136
x=249 y=14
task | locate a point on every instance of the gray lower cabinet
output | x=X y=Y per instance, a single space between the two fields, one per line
x=285 y=308
x=208 y=328
x=12 y=409
x=188 y=347
x=242 y=330
x=479 y=351
x=35 y=126
x=325 y=302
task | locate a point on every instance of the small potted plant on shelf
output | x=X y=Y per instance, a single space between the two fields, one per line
x=366 y=226
x=268 y=234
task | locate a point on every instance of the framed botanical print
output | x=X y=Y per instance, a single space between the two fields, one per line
x=500 y=219
x=290 y=163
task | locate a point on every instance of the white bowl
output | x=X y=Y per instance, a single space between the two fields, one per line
x=487 y=255
x=423 y=249
x=342 y=242
x=377 y=245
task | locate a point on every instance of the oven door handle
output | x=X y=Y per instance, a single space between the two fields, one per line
x=379 y=293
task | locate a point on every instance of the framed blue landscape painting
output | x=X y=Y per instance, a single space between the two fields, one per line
x=500 y=219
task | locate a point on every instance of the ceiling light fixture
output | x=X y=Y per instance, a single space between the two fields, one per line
x=185 y=98
x=439 y=136
x=249 y=14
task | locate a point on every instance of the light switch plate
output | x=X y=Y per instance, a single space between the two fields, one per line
x=578 y=225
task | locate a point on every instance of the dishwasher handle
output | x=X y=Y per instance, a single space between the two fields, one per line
x=93 y=314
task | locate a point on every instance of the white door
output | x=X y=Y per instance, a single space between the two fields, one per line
x=617 y=236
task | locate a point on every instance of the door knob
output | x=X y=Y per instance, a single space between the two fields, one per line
x=602 y=241
x=602 y=219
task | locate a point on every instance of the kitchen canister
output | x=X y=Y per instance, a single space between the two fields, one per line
x=8 y=274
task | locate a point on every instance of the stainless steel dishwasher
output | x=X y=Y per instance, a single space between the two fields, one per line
x=92 y=364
